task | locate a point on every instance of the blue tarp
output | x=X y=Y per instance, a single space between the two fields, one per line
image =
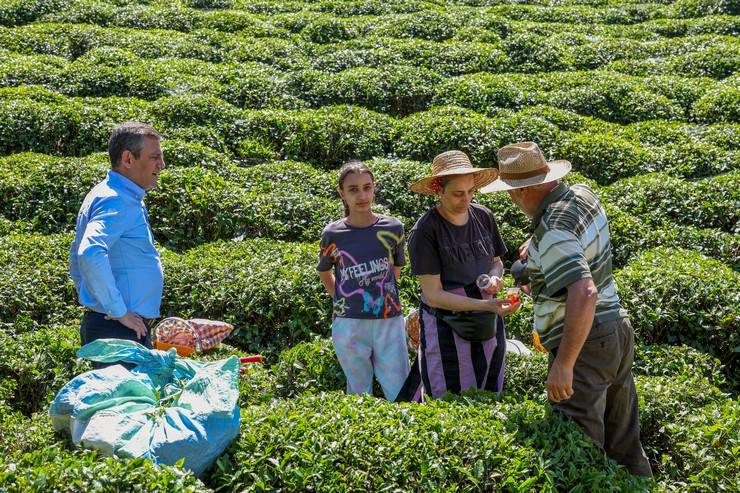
x=165 y=409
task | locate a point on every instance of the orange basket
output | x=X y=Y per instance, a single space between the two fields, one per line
x=181 y=350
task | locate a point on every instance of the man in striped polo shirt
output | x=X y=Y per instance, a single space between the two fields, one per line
x=577 y=314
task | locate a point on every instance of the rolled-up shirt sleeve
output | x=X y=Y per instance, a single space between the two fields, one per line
x=563 y=260
x=106 y=225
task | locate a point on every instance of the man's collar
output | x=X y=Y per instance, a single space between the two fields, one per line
x=119 y=182
x=550 y=198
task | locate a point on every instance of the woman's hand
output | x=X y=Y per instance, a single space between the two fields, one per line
x=497 y=285
x=502 y=306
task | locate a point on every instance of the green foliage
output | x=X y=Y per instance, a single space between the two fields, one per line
x=40 y=363
x=396 y=90
x=720 y=105
x=674 y=409
x=615 y=100
x=309 y=367
x=16 y=12
x=327 y=136
x=423 y=135
x=658 y=198
x=526 y=376
x=705 y=456
x=267 y=289
x=47 y=191
x=55 y=468
x=677 y=363
x=179 y=153
x=604 y=158
x=486 y=93
x=35 y=286
x=332 y=442
x=680 y=296
x=257 y=385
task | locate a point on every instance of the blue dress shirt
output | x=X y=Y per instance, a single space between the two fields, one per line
x=113 y=262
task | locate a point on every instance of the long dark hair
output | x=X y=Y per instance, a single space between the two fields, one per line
x=348 y=168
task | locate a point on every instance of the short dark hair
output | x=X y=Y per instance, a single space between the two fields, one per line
x=129 y=136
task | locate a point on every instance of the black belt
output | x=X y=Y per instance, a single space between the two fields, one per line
x=147 y=321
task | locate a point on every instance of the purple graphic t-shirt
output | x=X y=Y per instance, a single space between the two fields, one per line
x=365 y=286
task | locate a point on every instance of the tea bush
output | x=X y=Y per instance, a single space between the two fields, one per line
x=309 y=367
x=680 y=296
x=425 y=134
x=677 y=362
x=486 y=92
x=330 y=441
x=35 y=286
x=39 y=363
x=720 y=105
x=615 y=100
x=327 y=136
x=657 y=198
x=396 y=90
x=673 y=409
x=268 y=289
x=604 y=158
x=47 y=191
x=56 y=468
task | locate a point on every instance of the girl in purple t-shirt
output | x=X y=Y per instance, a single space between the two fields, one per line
x=360 y=259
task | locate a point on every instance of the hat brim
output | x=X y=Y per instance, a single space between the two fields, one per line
x=483 y=177
x=558 y=169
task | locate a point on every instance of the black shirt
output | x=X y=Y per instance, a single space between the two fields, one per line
x=459 y=254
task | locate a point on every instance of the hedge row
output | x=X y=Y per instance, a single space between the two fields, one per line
x=398 y=89
x=680 y=296
x=293 y=201
x=44 y=121
x=332 y=442
x=673 y=295
x=343 y=23
x=194 y=204
x=658 y=198
x=54 y=467
x=709 y=55
x=676 y=385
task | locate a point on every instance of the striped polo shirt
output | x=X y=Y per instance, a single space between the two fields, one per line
x=570 y=242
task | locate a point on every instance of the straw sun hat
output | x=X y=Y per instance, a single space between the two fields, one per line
x=452 y=163
x=523 y=165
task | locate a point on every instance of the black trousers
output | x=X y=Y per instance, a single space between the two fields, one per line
x=94 y=326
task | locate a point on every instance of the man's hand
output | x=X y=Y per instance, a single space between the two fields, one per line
x=559 y=381
x=524 y=249
x=502 y=306
x=133 y=321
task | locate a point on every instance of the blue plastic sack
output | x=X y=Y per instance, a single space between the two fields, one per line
x=165 y=409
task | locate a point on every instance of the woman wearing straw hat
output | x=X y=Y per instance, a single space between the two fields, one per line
x=462 y=335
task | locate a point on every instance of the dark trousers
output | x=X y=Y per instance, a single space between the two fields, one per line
x=94 y=326
x=604 y=401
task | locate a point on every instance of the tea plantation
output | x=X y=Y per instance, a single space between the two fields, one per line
x=260 y=102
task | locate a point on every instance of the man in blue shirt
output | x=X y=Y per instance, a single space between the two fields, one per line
x=113 y=262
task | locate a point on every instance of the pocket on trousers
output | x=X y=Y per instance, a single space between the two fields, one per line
x=599 y=359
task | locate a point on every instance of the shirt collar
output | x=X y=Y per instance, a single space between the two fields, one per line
x=120 y=183
x=555 y=194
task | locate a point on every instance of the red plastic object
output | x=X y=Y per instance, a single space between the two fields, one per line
x=257 y=358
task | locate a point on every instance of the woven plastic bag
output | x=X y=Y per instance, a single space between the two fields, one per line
x=188 y=336
x=165 y=409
